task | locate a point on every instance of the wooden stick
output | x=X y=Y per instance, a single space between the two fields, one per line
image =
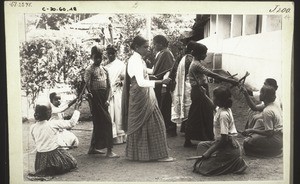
x=193 y=158
x=242 y=80
x=163 y=72
x=82 y=91
x=231 y=76
x=80 y=129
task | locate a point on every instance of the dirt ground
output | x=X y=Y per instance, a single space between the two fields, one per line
x=102 y=169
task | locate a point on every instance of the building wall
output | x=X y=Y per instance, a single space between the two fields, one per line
x=259 y=54
x=253 y=45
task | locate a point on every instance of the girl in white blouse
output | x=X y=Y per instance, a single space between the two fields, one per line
x=49 y=159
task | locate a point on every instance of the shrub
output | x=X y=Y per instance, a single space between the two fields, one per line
x=47 y=62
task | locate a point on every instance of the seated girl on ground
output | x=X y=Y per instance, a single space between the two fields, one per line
x=67 y=139
x=223 y=155
x=266 y=142
x=49 y=159
x=255 y=111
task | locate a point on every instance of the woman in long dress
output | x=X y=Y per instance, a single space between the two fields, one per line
x=116 y=72
x=181 y=96
x=98 y=86
x=200 y=119
x=146 y=133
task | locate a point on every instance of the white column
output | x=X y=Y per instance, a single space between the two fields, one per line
x=264 y=24
x=217 y=57
x=231 y=26
x=217 y=33
x=244 y=26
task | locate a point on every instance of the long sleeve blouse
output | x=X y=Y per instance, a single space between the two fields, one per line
x=137 y=68
x=45 y=133
x=198 y=70
x=57 y=112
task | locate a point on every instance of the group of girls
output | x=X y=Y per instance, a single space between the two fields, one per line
x=210 y=121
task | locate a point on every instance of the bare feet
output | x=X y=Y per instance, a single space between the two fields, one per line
x=112 y=155
x=168 y=159
x=95 y=151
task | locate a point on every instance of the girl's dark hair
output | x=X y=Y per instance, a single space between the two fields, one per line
x=52 y=96
x=137 y=42
x=160 y=39
x=41 y=112
x=223 y=97
x=271 y=82
x=198 y=50
x=269 y=93
x=189 y=47
x=96 y=50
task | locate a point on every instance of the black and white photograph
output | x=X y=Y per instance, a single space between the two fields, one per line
x=149 y=91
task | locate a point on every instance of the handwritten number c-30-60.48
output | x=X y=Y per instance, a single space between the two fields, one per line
x=59 y=9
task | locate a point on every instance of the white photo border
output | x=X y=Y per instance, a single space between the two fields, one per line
x=192 y=7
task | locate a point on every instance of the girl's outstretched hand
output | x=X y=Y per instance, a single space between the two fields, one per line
x=152 y=77
x=205 y=156
x=166 y=81
x=248 y=131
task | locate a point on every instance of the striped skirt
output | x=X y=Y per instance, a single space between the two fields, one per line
x=148 y=142
x=224 y=161
x=54 y=162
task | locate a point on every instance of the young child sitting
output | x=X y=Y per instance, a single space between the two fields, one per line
x=49 y=159
x=255 y=111
x=266 y=142
x=66 y=139
x=223 y=155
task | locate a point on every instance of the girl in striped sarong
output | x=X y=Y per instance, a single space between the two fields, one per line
x=146 y=132
x=223 y=155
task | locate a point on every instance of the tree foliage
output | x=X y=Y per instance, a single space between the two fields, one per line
x=171 y=25
x=132 y=25
x=45 y=63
